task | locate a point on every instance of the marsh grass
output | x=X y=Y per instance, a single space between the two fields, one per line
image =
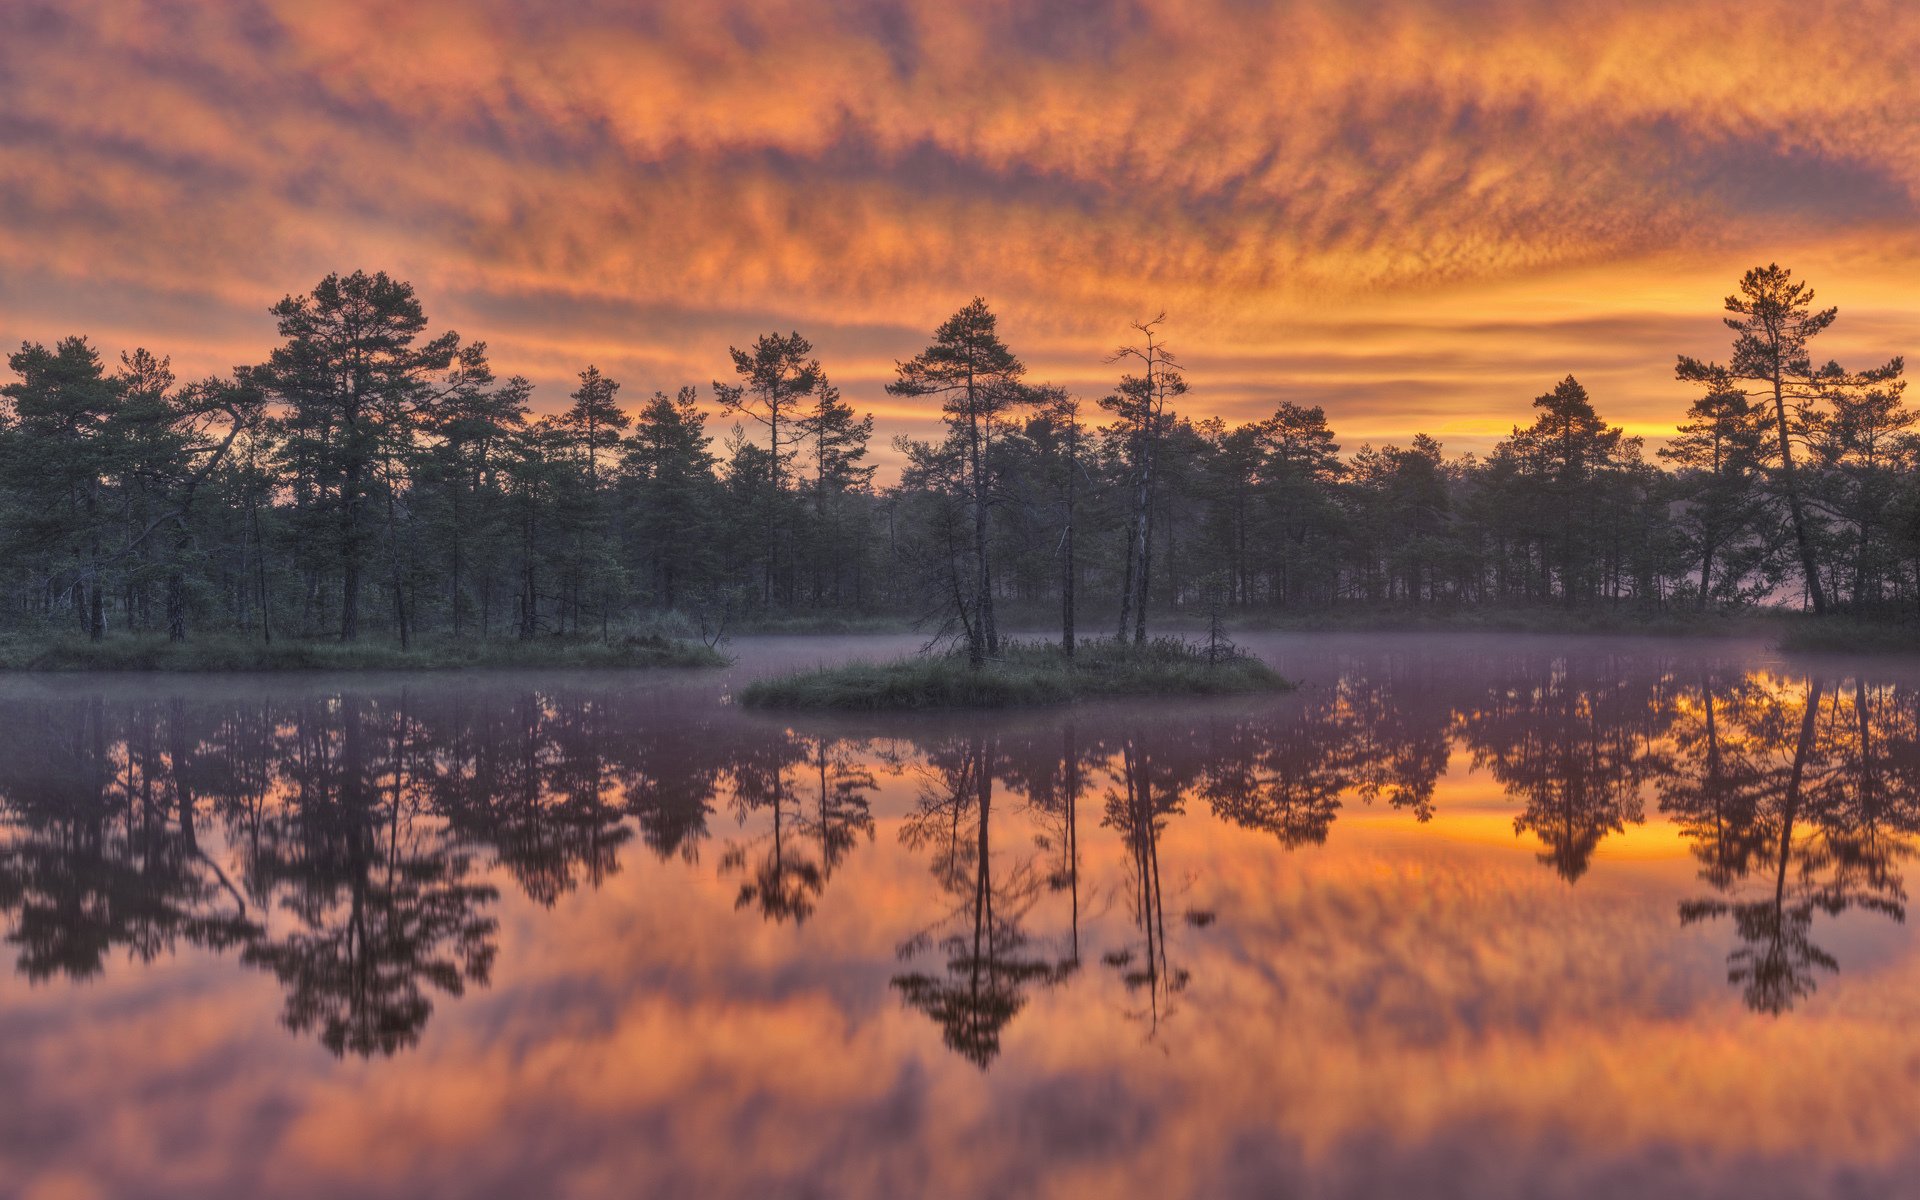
x=1025 y=674
x=140 y=653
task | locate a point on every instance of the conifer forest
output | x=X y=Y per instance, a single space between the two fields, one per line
x=372 y=476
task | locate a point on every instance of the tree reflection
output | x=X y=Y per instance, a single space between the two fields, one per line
x=1053 y=780
x=381 y=901
x=1800 y=803
x=103 y=850
x=1379 y=733
x=1146 y=794
x=782 y=879
x=350 y=834
x=530 y=779
x=351 y=843
x=1574 y=743
x=841 y=813
x=814 y=790
x=988 y=964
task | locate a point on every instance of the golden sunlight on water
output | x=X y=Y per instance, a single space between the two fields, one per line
x=1460 y=917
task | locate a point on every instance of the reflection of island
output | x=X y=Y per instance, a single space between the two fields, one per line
x=988 y=961
x=814 y=790
x=1145 y=795
x=1809 y=796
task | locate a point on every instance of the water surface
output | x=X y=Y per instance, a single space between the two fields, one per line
x=1469 y=916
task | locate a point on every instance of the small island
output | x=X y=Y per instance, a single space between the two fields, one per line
x=1023 y=674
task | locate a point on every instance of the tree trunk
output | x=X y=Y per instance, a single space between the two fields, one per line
x=176 y=607
x=1144 y=581
x=350 y=556
x=1066 y=576
x=1140 y=553
x=96 y=613
x=1790 y=483
x=983 y=600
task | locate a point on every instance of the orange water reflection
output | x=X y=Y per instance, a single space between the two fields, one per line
x=1518 y=918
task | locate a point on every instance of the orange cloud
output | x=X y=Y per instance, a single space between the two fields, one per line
x=1416 y=214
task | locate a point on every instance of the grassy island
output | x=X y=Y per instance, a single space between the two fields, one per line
x=138 y=653
x=1024 y=674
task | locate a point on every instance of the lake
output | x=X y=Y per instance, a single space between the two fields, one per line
x=1469 y=916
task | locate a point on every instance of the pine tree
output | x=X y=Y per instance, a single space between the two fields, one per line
x=1140 y=403
x=978 y=381
x=1773 y=322
x=596 y=418
x=58 y=456
x=776 y=375
x=673 y=496
x=1562 y=456
x=837 y=443
x=1718 y=449
x=357 y=379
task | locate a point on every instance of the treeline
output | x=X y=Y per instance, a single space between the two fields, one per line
x=371 y=477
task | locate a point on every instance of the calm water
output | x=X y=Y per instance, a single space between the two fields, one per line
x=1469 y=917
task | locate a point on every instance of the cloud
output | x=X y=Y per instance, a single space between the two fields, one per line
x=1494 y=172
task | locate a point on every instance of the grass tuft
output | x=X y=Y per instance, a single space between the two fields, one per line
x=1024 y=674
x=142 y=653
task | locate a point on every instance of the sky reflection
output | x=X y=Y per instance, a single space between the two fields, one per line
x=1529 y=920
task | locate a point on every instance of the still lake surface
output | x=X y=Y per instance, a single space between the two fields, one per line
x=1466 y=916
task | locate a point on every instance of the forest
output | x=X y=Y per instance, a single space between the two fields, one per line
x=372 y=478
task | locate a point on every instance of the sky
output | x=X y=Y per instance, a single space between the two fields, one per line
x=1419 y=215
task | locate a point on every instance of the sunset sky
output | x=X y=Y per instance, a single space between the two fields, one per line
x=1418 y=214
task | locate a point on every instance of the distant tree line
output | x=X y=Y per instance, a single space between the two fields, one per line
x=371 y=477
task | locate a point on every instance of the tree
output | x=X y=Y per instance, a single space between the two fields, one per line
x=474 y=432
x=1297 y=487
x=1719 y=451
x=595 y=418
x=1057 y=430
x=1563 y=455
x=538 y=482
x=59 y=451
x=356 y=379
x=775 y=376
x=673 y=494
x=1860 y=448
x=1773 y=322
x=182 y=453
x=595 y=421
x=1233 y=474
x=1140 y=404
x=978 y=380
x=1401 y=517
x=837 y=443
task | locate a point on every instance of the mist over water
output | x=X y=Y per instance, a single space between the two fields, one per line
x=1464 y=915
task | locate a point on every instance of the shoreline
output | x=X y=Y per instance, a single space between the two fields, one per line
x=143 y=654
